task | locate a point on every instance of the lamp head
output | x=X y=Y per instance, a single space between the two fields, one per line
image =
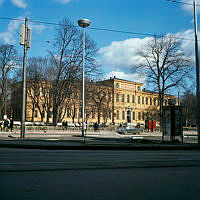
x=84 y=23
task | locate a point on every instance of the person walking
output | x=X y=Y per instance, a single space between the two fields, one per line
x=1 y=125
x=11 y=124
x=95 y=126
x=6 y=124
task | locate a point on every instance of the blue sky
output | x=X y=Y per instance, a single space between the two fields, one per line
x=117 y=51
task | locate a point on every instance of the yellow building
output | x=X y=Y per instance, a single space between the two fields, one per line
x=131 y=102
x=124 y=102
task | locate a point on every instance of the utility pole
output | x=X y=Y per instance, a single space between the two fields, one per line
x=25 y=38
x=197 y=71
x=5 y=98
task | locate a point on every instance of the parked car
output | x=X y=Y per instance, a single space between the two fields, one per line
x=129 y=130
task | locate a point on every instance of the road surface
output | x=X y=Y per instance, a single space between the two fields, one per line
x=99 y=175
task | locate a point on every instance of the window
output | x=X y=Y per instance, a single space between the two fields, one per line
x=93 y=114
x=117 y=115
x=139 y=115
x=109 y=96
x=138 y=99
x=122 y=97
x=143 y=116
x=123 y=115
x=147 y=100
x=35 y=113
x=133 y=115
x=80 y=113
x=50 y=114
x=142 y=100
x=75 y=113
x=43 y=114
x=154 y=101
x=138 y=88
x=133 y=99
x=117 y=97
x=68 y=112
x=150 y=101
x=128 y=98
x=109 y=115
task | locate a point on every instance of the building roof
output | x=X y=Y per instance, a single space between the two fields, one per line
x=153 y=92
x=114 y=78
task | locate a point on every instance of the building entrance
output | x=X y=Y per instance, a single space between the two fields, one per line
x=128 y=114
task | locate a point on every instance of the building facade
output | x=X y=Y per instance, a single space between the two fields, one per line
x=110 y=101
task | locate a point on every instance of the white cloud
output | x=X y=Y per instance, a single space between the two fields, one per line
x=62 y=1
x=120 y=56
x=189 y=5
x=187 y=43
x=19 y=3
x=37 y=28
x=123 y=54
x=10 y=35
x=1 y=2
x=126 y=76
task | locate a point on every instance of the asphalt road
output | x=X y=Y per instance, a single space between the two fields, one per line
x=189 y=136
x=95 y=175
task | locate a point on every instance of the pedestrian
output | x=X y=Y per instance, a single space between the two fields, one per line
x=6 y=124
x=11 y=124
x=1 y=125
x=63 y=125
x=95 y=126
x=66 y=125
x=98 y=127
x=85 y=126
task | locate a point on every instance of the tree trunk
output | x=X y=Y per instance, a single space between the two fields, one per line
x=55 y=114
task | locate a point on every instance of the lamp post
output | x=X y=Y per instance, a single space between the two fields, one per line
x=83 y=23
x=197 y=70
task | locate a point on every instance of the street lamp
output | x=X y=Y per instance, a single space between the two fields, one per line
x=197 y=70
x=83 y=23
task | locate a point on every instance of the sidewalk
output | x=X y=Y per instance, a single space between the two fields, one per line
x=103 y=140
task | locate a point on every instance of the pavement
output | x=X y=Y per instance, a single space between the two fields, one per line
x=103 y=140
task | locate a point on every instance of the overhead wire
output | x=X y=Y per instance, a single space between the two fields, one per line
x=98 y=29
x=182 y=2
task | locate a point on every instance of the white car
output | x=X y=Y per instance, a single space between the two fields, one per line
x=128 y=130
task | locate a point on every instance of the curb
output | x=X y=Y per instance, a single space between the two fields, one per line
x=47 y=145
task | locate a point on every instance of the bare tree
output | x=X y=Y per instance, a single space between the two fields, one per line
x=164 y=63
x=99 y=100
x=66 y=64
x=8 y=61
x=39 y=87
x=188 y=103
x=151 y=114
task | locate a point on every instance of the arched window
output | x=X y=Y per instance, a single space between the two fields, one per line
x=133 y=99
x=128 y=98
x=154 y=101
x=138 y=99
x=117 y=115
x=123 y=115
x=117 y=97
x=122 y=97
x=133 y=115
x=139 y=115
